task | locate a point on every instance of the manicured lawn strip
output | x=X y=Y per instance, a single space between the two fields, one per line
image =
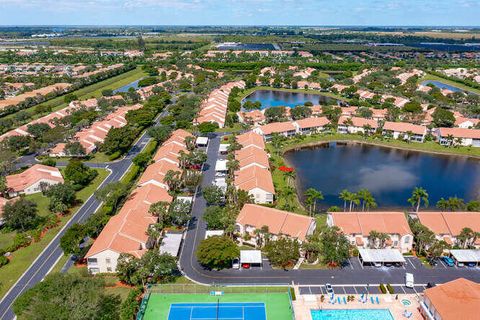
x=277 y=304
x=449 y=82
x=248 y=92
x=23 y=258
x=94 y=90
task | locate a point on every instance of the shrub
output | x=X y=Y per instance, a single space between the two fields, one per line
x=114 y=156
x=292 y=294
x=382 y=288
x=129 y=307
x=3 y=260
x=390 y=289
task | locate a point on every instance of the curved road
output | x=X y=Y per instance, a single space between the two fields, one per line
x=52 y=253
x=196 y=233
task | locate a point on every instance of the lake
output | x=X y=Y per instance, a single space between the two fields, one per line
x=126 y=87
x=442 y=85
x=274 y=98
x=389 y=174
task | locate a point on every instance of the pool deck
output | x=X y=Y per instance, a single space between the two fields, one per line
x=304 y=303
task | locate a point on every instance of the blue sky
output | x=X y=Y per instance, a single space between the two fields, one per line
x=241 y=12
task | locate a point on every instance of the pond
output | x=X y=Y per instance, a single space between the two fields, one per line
x=274 y=98
x=441 y=85
x=126 y=87
x=389 y=174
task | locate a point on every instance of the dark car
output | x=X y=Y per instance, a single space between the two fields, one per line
x=432 y=261
x=431 y=285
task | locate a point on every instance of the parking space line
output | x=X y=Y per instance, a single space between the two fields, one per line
x=361 y=264
x=401 y=287
x=414 y=289
x=345 y=292
x=411 y=263
x=355 y=288
x=321 y=289
x=310 y=289
x=350 y=263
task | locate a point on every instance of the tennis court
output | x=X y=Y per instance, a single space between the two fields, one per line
x=230 y=306
x=217 y=311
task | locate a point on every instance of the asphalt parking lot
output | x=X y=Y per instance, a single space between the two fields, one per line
x=359 y=289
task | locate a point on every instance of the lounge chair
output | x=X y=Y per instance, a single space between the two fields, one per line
x=407 y=314
x=344 y=300
x=371 y=300
x=378 y=301
x=339 y=301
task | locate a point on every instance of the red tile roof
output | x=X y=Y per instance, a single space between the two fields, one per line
x=364 y=222
x=278 y=221
x=404 y=127
x=34 y=174
x=450 y=223
x=456 y=300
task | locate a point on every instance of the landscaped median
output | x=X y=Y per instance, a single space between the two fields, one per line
x=22 y=258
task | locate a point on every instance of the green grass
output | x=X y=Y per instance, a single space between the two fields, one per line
x=91 y=91
x=248 y=92
x=41 y=201
x=23 y=258
x=277 y=304
x=449 y=82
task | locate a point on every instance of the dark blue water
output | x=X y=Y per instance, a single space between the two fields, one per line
x=272 y=98
x=389 y=174
x=125 y=88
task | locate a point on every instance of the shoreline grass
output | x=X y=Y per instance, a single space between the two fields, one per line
x=23 y=258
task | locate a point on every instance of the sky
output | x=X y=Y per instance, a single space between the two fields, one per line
x=241 y=12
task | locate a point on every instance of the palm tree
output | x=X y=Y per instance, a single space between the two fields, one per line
x=290 y=175
x=232 y=166
x=160 y=209
x=190 y=143
x=367 y=200
x=183 y=159
x=418 y=195
x=442 y=204
x=345 y=196
x=312 y=195
x=172 y=179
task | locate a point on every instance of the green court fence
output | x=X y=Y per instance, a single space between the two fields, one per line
x=195 y=288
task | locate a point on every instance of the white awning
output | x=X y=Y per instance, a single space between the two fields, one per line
x=221 y=165
x=381 y=255
x=212 y=233
x=466 y=255
x=202 y=141
x=251 y=256
x=223 y=148
x=171 y=243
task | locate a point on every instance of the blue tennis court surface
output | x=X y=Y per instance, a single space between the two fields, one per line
x=214 y=311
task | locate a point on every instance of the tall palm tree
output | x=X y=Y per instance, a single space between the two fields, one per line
x=367 y=200
x=312 y=195
x=172 y=179
x=418 y=195
x=160 y=209
x=290 y=175
x=190 y=143
x=345 y=196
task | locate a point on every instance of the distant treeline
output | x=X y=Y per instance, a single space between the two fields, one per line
x=345 y=66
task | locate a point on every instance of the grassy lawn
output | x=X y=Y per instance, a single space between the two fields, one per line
x=23 y=258
x=248 y=92
x=237 y=127
x=94 y=90
x=449 y=82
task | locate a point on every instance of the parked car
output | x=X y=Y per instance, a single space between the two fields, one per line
x=236 y=263
x=432 y=261
x=409 y=282
x=431 y=285
x=329 y=288
x=471 y=264
x=377 y=264
x=246 y=266
x=448 y=261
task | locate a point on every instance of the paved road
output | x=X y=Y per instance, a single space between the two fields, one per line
x=52 y=253
x=354 y=273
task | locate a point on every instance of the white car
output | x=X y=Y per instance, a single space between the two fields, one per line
x=409 y=280
x=329 y=288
